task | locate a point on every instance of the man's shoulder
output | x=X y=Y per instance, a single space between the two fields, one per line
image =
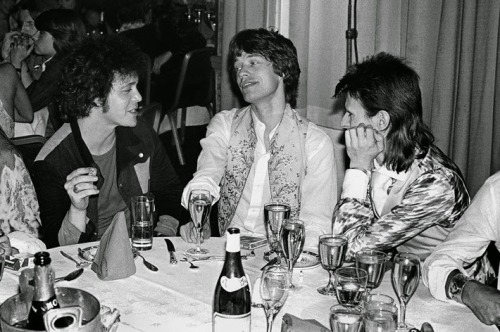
x=56 y=142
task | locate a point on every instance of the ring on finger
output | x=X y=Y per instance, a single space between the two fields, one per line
x=75 y=190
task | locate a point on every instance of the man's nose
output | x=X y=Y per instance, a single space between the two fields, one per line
x=345 y=122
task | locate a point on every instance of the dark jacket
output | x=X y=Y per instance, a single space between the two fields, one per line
x=66 y=151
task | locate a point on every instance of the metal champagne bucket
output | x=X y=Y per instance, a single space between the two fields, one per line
x=81 y=307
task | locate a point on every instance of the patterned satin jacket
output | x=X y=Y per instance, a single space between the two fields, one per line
x=418 y=214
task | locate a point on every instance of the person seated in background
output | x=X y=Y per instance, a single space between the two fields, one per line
x=265 y=151
x=88 y=171
x=458 y=269
x=60 y=30
x=14 y=102
x=400 y=191
x=19 y=211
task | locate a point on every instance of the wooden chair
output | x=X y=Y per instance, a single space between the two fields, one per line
x=195 y=87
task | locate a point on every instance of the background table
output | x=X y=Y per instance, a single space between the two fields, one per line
x=177 y=298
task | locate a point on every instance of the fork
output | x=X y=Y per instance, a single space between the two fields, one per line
x=78 y=264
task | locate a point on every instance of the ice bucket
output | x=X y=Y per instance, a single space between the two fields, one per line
x=81 y=307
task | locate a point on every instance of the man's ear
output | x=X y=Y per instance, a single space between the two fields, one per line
x=97 y=102
x=383 y=120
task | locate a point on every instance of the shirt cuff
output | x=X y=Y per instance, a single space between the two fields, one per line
x=355 y=184
x=69 y=233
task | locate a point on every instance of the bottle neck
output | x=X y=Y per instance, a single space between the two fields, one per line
x=44 y=283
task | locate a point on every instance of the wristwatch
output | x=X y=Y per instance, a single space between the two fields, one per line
x=455 y=284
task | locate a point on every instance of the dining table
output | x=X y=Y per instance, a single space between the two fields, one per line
x=179 y=298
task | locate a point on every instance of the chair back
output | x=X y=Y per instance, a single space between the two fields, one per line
x=195 y=86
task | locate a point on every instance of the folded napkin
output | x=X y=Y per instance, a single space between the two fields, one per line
x=292 y=323
x=114 y=258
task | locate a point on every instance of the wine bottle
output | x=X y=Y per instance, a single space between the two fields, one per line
x=44 y=295
x=232 y=298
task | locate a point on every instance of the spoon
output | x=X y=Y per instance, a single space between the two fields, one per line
x=71 y=276
x=192 y=266
x=148 y=264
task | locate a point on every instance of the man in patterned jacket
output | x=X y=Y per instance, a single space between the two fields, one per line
x=265 y=151
x=400 y=192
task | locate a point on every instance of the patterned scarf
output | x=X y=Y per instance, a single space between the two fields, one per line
x=286 y=166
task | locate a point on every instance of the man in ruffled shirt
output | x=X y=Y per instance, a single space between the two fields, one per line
x=400 y=192
x=265 y=151
x=458 y=270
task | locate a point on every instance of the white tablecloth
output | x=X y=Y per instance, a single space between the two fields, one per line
x=177 y=298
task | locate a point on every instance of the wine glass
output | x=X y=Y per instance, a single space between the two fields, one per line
x=332 y=250
x=350 y=284
x=405 y=278
x=373 y=262
x=293 y=236
x=274 y=287
x=274 y=214
x=200 y=203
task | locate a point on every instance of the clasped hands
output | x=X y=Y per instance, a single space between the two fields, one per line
x=363 y=144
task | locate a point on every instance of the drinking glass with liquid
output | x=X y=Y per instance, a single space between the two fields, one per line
x=142 y=219
x=345 y=319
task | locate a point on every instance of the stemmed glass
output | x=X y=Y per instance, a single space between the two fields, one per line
x=274 y=287
x=293 y=236
x=405 y=278
x=332 y=250
x=373 y=262
x=274 y=214
x=200 y=203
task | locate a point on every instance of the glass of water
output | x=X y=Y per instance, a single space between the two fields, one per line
x=350 y=285
x=380 y=317
x=345 y=319
x=142 y=215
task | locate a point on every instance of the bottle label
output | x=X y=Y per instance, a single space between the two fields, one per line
x=233 y=284
x=236 y=323
x=44 y=306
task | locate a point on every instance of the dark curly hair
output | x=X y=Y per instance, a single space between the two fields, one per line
x=276 y=49
x=386 y=82
x=90 y=71
x=65 y=26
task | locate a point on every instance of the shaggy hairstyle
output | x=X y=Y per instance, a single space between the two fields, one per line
x=386 y=82
x=65 y=26
x=91 y=70
x=276 y=49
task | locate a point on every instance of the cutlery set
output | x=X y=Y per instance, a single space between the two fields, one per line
x=173 y=260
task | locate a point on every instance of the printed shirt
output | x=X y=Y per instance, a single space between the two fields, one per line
x=433 y=194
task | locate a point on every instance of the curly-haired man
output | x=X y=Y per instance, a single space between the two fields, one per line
x=92 y=166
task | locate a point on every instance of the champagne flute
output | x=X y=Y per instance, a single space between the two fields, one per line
x=373 y=262
x=200 y=203
x=274 y=287
x=350 y=284
x=293 y=236
x=405 y=278
x=274 y=214
x=332 y=250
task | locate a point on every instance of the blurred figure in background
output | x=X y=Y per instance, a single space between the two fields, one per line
x=14 y=102
x=59 y=31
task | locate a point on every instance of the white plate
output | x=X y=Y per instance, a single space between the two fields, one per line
x=307 y=260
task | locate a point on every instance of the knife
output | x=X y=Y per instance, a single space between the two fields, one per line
x=171 y=251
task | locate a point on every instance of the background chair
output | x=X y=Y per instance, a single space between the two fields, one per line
x=195 y=87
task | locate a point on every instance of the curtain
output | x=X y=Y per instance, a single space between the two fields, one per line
x=452 y=44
